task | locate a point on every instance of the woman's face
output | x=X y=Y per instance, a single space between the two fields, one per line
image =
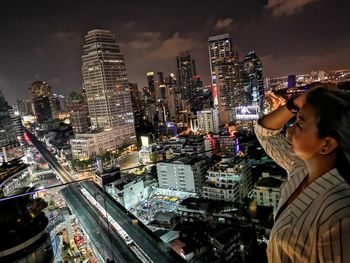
x=303 y=135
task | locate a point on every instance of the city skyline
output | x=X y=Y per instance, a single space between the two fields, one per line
x=42 y=41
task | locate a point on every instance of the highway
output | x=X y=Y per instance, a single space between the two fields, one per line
x=62 y=173
x=154 y=247
x=104 y=239
x=151 y=245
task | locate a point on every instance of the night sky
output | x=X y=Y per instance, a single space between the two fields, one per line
x=42 y=40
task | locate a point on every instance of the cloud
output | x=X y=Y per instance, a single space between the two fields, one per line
x=287 y=7
x=143 y=40
x=224 y=23
x=171 y=47
x=63 y=36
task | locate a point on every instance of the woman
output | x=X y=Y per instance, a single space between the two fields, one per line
x=312 y=222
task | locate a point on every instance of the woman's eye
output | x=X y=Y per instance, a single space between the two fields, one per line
x=298 y=125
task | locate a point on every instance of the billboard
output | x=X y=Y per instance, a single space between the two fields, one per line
x=247 y=112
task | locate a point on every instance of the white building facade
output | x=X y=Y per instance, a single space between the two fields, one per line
x=208 y=121
x=85 y=145
x=266 y=192
x=185 y=174
x=230 y=180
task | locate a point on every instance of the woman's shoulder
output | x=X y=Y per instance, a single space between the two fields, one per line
x=335 y=205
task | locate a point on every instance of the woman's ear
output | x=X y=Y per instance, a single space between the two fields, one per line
x=330 y=144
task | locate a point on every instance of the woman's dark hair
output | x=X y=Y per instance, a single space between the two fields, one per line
x=333 y=115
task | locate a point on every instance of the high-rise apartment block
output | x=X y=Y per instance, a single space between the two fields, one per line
x=208 y=121
x=41 y=98
x=106 y=85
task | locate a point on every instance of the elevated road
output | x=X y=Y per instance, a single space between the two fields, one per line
x=108 y=241
x=104 y=239
x=154 y=247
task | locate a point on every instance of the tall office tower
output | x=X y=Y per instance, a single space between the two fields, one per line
x=40 y=96
x=160 y=87
x=151 y=91
x=253 y=80
x=8 y=140
x=63 y=103
x=106 y=84
x=186 y=69
x=56 y=104
x=79 y=113
x=173 y=98
x=226 y=76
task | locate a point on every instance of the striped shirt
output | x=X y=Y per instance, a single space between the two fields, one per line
x=315 y=226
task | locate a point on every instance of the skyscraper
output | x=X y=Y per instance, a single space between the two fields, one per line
x=8 y=139
x=79 y=113
x=151 y=92
x=40 y=95
x=106 y=84
x=186 y=69
x=253 y=80
x=226 y=76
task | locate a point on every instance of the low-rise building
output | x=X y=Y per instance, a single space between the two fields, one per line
x=85 y=145
x=266 y=191
x=220 y=144
x=185 y=174
x=229 y=180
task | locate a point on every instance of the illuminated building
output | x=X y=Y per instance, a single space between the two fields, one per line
x=292 y=81
x=253 y=80
x=185 y=174
x=40 y=95
x=266 y=191
x=220 y=144
x=229 y=180
x=106 y=85
x=93 y=143
x=208 y=121
x=8 y=140
x=79 y=114
x=186 y=69
x=226 y=76
x=151 y=91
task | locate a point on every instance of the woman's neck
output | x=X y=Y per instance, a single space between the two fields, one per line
x=318 y=167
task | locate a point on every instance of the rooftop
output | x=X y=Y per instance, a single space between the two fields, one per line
x=270 y=181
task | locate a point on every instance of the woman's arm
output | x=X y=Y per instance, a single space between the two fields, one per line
x=274 y=143
x=276 y=119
